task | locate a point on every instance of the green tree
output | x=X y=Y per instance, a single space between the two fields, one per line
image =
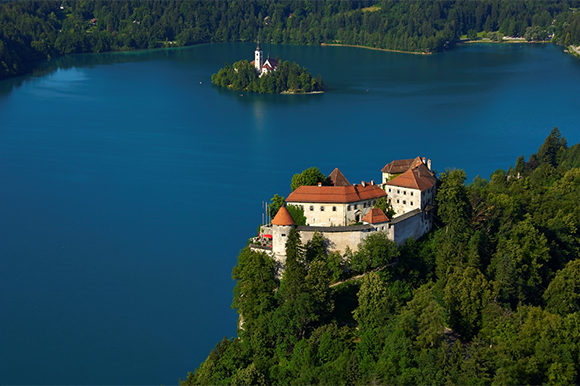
x=454 y=207
x=519 y=263
x=427 y=317
x=386 y=207
x=548 y=152
x=375 y=305
x=466 y=294
x=297 y=214
x=376 y=250
x=276 y=203
x=315 y=248
x=255 y=276
x=309 y=177
x=563 y=294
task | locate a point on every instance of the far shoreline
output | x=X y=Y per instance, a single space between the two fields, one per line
x=374 y=48
x=509 y=41
x=300 y=93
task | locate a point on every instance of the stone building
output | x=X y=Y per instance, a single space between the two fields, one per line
x=337 y=203
x=344 y=214
x=411 y=190
x=414 y=190
x=400 y=166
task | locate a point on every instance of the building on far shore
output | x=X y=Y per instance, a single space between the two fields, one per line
x=344 y=214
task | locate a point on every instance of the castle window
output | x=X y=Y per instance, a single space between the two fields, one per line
x=404 y=202
x=405 y=192
x=411 y=203
x=302 y=207
x=311 y=208
x=322 y=208
x=364 y=204
x=334 y=208
x=283 y=235
x=348 y=207
x=397 y=200
x=411 y=193
x=389 y=190
x=398 y=192
x=355 y=206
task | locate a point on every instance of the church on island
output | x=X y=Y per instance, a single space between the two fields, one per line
x=263 y=67
x=344 y=213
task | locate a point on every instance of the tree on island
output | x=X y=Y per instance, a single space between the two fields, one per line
x=289 y=77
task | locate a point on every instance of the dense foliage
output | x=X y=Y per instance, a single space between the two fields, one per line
x=289 y=77
x=308 y=177
x=31 y=30
x=490 y=296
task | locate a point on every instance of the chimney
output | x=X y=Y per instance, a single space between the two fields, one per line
x=424 y=160
x=363 y=184
x=320 y=184
x=429 y=164
x=372 y=182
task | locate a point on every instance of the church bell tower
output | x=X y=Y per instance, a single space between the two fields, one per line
x=258 y=57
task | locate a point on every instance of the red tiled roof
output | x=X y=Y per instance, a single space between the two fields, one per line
x=271 y=62
x=336 y=194
x=417 y=178
x=283 y=217
x=401 y=165
x=375 y=216
x=336 y=178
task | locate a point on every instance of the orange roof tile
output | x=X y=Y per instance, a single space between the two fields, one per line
x=419 y=177
x=336 y=194
x=336 y=178
x=283 y=217
x=401 y=165
x=375 y=216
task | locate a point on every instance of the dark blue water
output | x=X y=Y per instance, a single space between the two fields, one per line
x=128 y=183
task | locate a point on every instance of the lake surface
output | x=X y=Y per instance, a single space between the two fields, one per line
x=129 y=183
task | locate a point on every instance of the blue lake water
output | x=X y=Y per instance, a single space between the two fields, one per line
x=129 y=183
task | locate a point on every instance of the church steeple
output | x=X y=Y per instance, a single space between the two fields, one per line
x=258 y=57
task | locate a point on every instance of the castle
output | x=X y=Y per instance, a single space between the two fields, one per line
x=263 y=67
x=344 y=213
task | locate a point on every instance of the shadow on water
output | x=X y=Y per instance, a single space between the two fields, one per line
x=46 y=67
x=246 y=97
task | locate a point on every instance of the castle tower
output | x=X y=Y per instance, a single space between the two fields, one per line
x=258 y=57
x=281 y=225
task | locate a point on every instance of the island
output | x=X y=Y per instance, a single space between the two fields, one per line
x=270 y=76
x=480 y=287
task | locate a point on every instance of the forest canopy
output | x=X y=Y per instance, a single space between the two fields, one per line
x=489 y=296
x=34 y=30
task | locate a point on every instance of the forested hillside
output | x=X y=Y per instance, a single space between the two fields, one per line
x=31 y=30
x=491 y=296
